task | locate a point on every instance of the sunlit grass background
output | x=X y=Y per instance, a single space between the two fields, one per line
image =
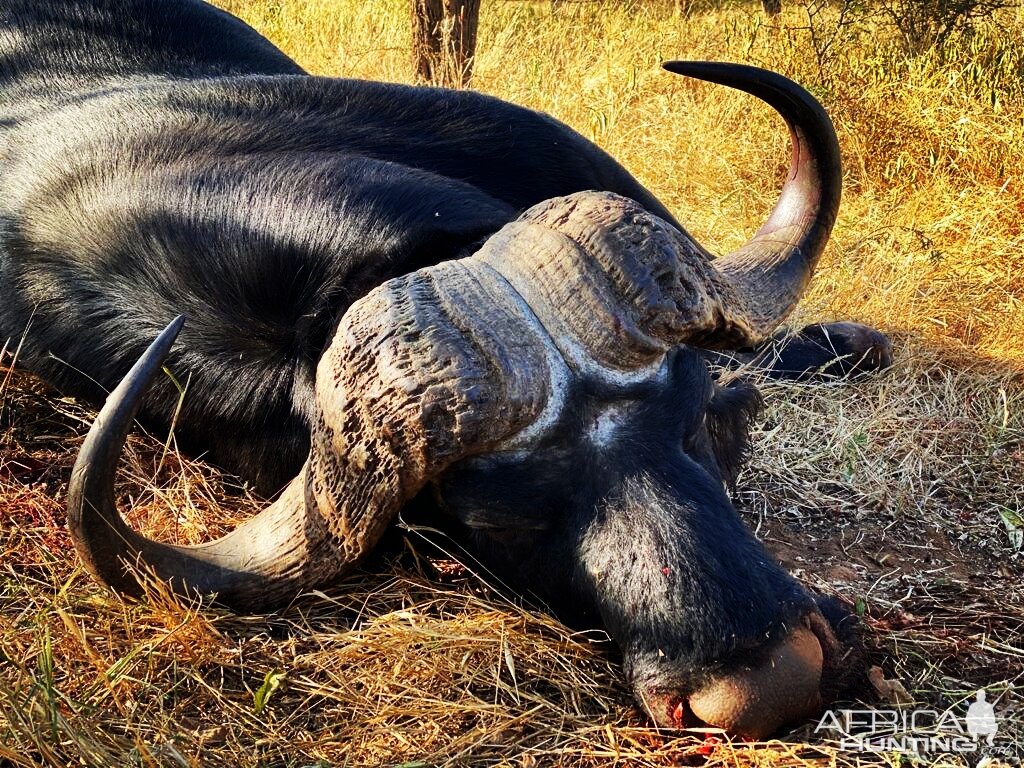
x=929 y=239
x=902 y=494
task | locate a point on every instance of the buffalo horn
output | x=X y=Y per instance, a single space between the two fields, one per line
x=616 y=286
x=426 y=369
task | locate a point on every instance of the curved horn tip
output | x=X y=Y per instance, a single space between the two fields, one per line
x=713 y=71
x=92 y=516
x=165 y=339
x=147 y=365
x=785 y=95
x=770 y=272
x=124 y=401
x=125 y=398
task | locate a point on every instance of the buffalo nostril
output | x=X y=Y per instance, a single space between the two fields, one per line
x=679 y=715
x=682 y=717
x=755 y=702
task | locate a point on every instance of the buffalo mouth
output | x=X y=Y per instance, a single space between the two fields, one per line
x=787 y=682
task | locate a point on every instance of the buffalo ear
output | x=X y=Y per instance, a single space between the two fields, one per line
x=733 y=409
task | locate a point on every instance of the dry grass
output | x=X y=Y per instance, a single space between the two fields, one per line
x=901 y=493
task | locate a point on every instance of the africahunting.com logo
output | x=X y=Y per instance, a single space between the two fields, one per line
x=920 y=731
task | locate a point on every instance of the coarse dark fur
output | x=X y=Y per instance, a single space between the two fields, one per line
x=161 y=158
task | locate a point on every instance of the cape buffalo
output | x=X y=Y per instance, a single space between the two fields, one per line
x=391 y=288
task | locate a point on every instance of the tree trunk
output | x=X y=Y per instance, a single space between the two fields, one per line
x=444 y=41
x=772 y=7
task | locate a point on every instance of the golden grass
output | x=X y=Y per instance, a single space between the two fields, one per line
x=901 y=492
x=929 y=239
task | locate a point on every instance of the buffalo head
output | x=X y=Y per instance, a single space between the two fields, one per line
x=548 y=388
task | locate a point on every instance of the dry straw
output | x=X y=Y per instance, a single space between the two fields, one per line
x=900 y=494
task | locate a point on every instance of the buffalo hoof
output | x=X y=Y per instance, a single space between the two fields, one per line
x=830 y=350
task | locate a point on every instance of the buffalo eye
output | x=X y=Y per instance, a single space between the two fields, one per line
x=502 y=498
